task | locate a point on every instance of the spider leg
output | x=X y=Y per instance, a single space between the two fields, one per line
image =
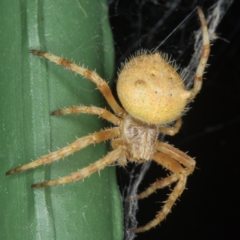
x=87 y=171
x=157 y=185
x=204 y=57
x=171 y=131
x=176 y=168
x=91 y=75
x=170 y=158
x=173 y=153
x=101 y=112
x=177 y=155
x=73 y=147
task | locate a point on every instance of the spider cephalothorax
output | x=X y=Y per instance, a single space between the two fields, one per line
x=153 y=95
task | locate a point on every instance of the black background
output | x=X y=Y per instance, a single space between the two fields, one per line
x=209 y=209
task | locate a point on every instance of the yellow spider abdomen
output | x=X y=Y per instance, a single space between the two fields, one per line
x=151 y=90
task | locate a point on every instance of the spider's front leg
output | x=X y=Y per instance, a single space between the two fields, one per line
x=172 y=159
x=75 y=146
x=87 y=171
x=179 y=156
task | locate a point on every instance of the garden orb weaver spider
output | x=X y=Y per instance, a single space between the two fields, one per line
x=153 y=95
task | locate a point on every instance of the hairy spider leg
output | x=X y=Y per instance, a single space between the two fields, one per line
x=157 y=185
x=91 y=75
x=181 y=173
x=171 y=131
x=101 y=112
x=87 y=171
x=73 y=147
x=175 y=154
x=204 y=57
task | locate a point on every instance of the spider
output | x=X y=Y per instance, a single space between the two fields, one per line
x=153 y=96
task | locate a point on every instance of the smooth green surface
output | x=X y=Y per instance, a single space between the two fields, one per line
x=30 y=88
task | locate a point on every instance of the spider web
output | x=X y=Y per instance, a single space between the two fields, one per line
x=214 y=15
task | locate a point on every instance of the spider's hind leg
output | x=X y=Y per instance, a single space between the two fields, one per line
x=91 y=75
x=204 y=57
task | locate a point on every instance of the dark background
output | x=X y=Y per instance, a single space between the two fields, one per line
x=209 y=208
